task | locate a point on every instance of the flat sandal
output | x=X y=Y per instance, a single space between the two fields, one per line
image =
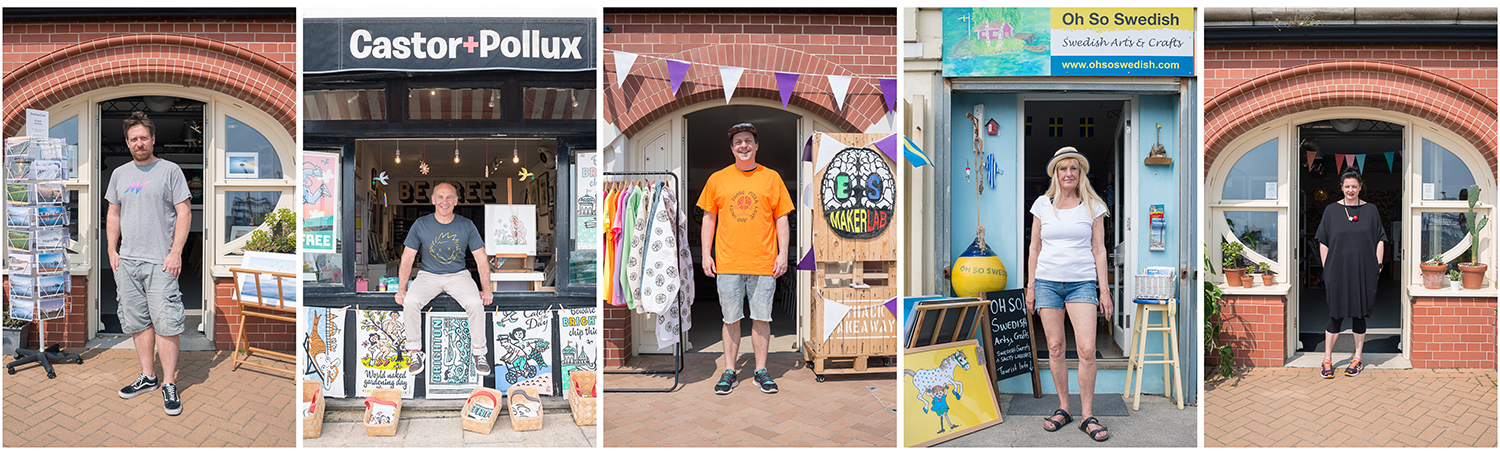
x=1055 y=424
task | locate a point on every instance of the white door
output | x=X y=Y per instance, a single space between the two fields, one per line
x=1123 y=289
x=654 y=152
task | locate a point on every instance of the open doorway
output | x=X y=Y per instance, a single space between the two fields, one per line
x=1096 y=128
x=179 y=139
x=707 y=151
x=1369 y=141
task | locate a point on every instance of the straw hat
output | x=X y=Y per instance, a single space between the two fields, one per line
x=1067 y=152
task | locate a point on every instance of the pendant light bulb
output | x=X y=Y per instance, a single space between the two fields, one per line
x=398 y=151
x=455 y=151
x=515 y=154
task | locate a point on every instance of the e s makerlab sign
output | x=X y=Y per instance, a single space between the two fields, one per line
x=448 y=44
x=1068 y=41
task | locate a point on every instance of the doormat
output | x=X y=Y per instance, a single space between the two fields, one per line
x=1374 y=344
x=1024 y=404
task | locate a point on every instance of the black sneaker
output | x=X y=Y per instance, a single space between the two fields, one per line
x=414 y=363
x=481 y=365
x=727 y=381
x=170 y=401
x=141 y=385
x=763 y=380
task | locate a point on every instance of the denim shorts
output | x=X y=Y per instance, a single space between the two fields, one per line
x=733 y=289
x=1053 y=294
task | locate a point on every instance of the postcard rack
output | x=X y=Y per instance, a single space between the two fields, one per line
x=676 y=370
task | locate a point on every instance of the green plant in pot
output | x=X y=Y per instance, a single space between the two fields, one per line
x=1213 y=302
x=1473 y=270
x=277 y=234
x=1266 y=275
x=15 y=332
x=1229 y=259
x=1248 y=278
x=1455 y=279
x=1433 y=272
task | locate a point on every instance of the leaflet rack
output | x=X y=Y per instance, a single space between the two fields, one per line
x=676 y=370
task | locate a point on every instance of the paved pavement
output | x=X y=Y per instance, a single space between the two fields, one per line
x=846 y=410
x=443 y=428
x=1294 y=407
x=1158 y=424
x=244 y=407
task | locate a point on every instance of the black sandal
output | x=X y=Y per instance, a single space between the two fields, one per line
x=1067 y=419
x=1094 y=434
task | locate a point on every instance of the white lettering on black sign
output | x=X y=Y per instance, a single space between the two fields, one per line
x=1011 y=333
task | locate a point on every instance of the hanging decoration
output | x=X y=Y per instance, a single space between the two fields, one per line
x=786 y=82
x=623 y=62
x=731 y=77
x=833 y=315
x=840 y=85
x=525 y=174
x=888 y=91
x=1390 y=160
x=914 y=154
x=1359 y=161
x=677 y=70
x=887 y=145
x=809 y=262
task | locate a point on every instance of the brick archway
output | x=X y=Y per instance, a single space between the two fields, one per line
x=151 y=58
x=1329 y=84
x=647 y=93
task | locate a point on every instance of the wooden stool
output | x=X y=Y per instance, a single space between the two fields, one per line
x=1138 y=362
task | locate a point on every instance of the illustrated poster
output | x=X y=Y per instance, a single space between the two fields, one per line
x=586 y=211
x=320 y=209
x=323 y=341
x=510 y=229
x=947 y=393
x=382 y=359
x=580 y=343
x=523 y=350
x=450 y=370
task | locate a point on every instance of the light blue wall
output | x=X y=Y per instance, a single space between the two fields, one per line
x=1158 y=185
x=1001 y=207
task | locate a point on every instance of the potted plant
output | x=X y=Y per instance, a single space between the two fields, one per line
x=277 y=234
x=1473 y=270
x=1248 y=278
x=1266 y=275
x=1455 y=280
x=15 y=333
x=1230 y=257
x=1433 y=272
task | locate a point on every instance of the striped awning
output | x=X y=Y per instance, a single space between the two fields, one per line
x=344 y=105
x=448 y=103
x=559 y=103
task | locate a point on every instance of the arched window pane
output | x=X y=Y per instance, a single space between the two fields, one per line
x=248 y=155
x=1256 y=230
x=1248 y=178
x=1444 y=175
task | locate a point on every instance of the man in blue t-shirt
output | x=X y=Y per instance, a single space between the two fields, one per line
x=442 y=239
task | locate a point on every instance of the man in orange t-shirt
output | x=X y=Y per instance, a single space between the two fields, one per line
x=752 y=238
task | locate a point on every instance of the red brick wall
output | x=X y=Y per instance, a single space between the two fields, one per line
x=1453 y=333
x=857 y=45
x=69 y=331
x=617 y=337
x=49 y=62
x=1255 y=326
x=263 y=333
x=1246 y=86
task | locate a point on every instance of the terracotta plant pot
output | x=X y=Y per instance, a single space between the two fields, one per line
x=1433 y=275
x=1473 y=274
x=1268 y=279
x=1233 y=276
x=1248 y=280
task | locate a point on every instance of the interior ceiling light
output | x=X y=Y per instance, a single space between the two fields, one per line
x=1344 y=125
x=455 y=151
x=398 y=151
x=515 y=154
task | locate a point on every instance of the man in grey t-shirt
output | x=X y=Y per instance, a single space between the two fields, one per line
x=442 y=238
x=147 y=226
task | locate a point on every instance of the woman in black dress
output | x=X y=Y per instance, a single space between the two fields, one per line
x=1351 y=241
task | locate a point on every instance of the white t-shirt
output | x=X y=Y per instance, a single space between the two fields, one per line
x=1067 y=241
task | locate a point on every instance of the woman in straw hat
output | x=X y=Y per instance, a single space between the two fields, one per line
x=1068 y=279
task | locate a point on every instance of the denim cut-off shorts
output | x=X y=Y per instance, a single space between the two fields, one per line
x=1054 y=294
x=758 y=288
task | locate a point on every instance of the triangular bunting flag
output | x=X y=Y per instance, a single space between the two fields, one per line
x=890 y=305
x=786 y=83
x=1310 y=156
x=731 y=78
x=827 y=147
x=1340 y=159
x=1390 y=161
x=913 y=154
x=1350 y=158
x=808 y=262
x=833 y=315
x=888 y=90
x=1359 y=160
x=840 y=86
x=887 y=145
x=807 y=150
x=623 y=62
x=676 y=70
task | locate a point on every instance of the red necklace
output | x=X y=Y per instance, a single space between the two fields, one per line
x=1351 y=218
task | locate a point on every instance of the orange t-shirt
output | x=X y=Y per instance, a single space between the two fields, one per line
x=747 y=204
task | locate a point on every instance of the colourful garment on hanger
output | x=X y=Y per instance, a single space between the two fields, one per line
x=607 y=246
x=616 y=272
x=641 y=214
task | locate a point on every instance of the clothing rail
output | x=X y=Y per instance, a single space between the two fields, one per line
x=676 y=370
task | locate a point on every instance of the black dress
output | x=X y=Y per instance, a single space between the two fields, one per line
x=1351 y=269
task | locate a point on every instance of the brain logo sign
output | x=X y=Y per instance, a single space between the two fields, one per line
x=858 y=193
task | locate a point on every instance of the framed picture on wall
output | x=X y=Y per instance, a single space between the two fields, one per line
x=241 y=165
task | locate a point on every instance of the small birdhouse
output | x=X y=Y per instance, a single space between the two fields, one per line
x=992 y=127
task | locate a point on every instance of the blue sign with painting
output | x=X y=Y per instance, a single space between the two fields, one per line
x=1068 y=41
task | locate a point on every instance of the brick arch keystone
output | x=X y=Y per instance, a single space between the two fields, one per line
x=1350 y=83
x=647 y=93
x=151 y=58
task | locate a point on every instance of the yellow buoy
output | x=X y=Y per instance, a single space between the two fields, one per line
x=978 y=270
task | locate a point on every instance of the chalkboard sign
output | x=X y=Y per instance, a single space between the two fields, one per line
x=1011 y=334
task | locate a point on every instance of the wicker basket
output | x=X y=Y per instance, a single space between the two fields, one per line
x=1156 y=286
x=517 y=396
x=389 y=395
x=488 y=404
x=583 y=396
x=312 y=426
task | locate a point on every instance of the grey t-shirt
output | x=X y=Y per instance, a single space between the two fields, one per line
x=148 y=219
x=444 y=247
